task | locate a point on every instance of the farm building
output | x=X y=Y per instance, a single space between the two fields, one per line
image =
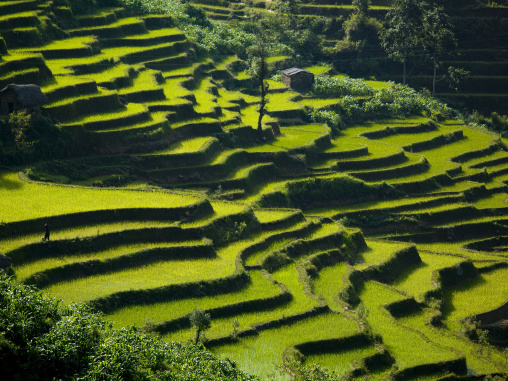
x=296 y=78
x=21 y=97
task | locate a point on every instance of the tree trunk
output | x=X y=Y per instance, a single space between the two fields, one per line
x=262 y=108
x=434 y=78
x=404 y=75
x=264 y=90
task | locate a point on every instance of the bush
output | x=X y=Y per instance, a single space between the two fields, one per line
x=332 y=86
x=303 y=193
x=42 y=340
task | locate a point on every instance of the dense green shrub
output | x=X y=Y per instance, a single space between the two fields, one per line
x=303 y=193
x=333 y=86
x=395 y=101
x=43 y=340
x=31 y=136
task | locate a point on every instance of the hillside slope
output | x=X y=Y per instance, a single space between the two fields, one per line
x=180 y=204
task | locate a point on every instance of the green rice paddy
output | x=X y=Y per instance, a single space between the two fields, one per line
x=190 y=98
x=476 y=296
x=261 y=352
x=36 y=200
x=259 y=287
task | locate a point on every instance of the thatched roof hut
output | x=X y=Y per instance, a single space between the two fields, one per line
x=21 y=97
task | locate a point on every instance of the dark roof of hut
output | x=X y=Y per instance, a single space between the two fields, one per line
x=294 y=70
x=28 y=95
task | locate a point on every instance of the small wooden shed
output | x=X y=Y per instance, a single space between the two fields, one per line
x=298 y=79
x=21 y=97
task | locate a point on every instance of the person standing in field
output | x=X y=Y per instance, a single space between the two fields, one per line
x=46 y=235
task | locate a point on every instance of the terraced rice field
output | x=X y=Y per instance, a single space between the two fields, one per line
x=306 y=239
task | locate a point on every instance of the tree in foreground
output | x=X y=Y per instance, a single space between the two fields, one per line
x=42 y=340
x=200 y=321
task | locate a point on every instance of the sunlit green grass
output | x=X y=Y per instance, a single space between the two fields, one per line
x=101 y=92
x=317 y=70
x=173 y=88
x=253 y=258
x=288 y=139
x=119 y=70
x=407 y=346
x=118 y=52
x=224 y=63
x=258 y=354
x=61 y=81
x=319 y=102
x=259 y=287
x=275 y=84
x=456 y=248
x=185 y=146
x=36 y=200
x=341 y=145
x=411 y=159
x=243 y=75
x=300 y=303
x=145 y=277
x=250 y=116
x=206 y=100
x=417 y=280
x=220 y=210
x=501 y=219
x=80 y=232
x=201 y=120
x=66 y=44
x=154 y=120
x=62 y=66
x=277 y=59
x=154 y=33
x=324 y=230
x=243 y=172
x=18 y=15
x=433 y=209
x=378 y=84
x=494 y=362
x=377 y=252
x=329 y=212
x=228 y=96
x=459 y=186
x=484 y=159
x=497 y=200
x=145 y=80
x=27 y=270
x=343 y=361
x=271 y=215
x=282 y=101
x=264 y=189
x=129 y=110
x=477 y=296
x=328 y=283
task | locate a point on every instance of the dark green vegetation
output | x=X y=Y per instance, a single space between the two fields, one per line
x=178 y=204
x=346 y=34
x=43 y=340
